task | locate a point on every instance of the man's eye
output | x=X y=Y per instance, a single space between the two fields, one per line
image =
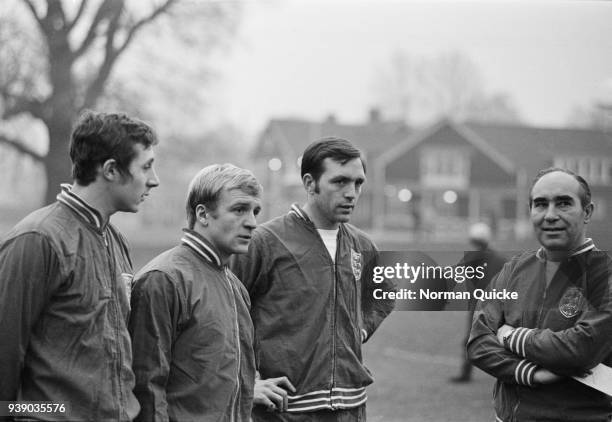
x=564 y=204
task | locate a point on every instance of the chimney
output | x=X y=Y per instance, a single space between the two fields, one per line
x=375 y=116
x=330 y=119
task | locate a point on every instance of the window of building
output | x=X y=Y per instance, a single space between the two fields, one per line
x=445 y=167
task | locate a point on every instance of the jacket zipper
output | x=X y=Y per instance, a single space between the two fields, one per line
x=114 y=305
x=234 y=401
x=333 y=310
x=333 y=380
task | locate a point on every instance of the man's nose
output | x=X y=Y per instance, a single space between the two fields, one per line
x=250 y=220
x=551 y=212
x=350 y=191
x=154 y=181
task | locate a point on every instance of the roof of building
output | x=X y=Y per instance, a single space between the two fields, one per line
x=291 y=136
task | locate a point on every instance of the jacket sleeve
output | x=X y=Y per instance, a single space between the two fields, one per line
x=483 y=348
x=374 y=311
x=29 y=272
x=581 y=347
x=153 y=325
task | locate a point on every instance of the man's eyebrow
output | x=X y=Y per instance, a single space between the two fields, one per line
x=241 y=203
x=344 y=177
x=563 y=197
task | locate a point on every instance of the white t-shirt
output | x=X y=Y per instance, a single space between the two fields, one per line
x=329 y=238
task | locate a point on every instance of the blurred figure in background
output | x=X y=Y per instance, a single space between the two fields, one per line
x=479 y=236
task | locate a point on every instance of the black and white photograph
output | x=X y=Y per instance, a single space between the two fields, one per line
x=306 y=210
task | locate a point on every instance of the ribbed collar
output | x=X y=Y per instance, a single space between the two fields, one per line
x=79 y=206
x=201 y=246
x=299 y=212
x=586 y=246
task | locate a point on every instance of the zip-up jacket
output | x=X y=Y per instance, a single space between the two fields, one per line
x=311 y=314
x=192 y=337
x=63 y=313
x=565 y=328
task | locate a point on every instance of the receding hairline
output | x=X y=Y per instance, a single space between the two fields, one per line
x=581 y=192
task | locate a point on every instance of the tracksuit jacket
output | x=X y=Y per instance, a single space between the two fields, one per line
x=310 y=313
x=63 y=313
x=565 y=328
x=192 y=337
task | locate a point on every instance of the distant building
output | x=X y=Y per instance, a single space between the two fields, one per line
x=435 y=181
x=277 y=156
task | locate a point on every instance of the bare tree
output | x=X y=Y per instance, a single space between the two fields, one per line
x=448 y=85
x=59 y=61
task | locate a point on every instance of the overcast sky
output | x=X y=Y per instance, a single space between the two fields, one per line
x=310 y=58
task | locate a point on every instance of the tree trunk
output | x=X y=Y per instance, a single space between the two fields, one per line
x=57 y=162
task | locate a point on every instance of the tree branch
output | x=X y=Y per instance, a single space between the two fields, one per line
x=15 y=105
x=111 y=53
x=138 y=25
x=102 y=13
x=78 y=15
x=38 y=19
x=20 y=147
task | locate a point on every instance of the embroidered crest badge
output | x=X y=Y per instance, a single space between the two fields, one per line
x=571 y=303
x=356 y=264
x=127 y=282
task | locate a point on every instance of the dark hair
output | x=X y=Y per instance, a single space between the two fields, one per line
x=338 y=149
x=585 y=190
x=97 y=137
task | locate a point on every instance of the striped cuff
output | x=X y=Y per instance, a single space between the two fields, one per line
x=524 y=372
x=337 y=398
x=518 y=338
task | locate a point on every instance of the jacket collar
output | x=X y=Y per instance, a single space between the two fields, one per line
x=299 y=212
x=79 y=206
x=586 y=246
x=201 y=246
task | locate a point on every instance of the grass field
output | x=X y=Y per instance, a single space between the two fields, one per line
x=412 y=356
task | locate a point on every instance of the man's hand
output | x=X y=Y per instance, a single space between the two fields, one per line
x=544 y=376
x=502 y=331
x=272 y=393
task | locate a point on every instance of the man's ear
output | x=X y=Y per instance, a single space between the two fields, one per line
x=309 y=183
x=202 y=214
x=588 y=212
x=110 y=170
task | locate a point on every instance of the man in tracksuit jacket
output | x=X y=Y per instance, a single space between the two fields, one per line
x=190 y=324
x=312 y=306
x=561 y=324
x=65 y=274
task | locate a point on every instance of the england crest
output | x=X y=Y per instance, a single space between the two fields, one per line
x=571 y=303
x=356 y=264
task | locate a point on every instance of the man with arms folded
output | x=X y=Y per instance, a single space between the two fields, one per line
x=312 y=305
x=190 y=324
x=561 y=324
x=65 y=274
